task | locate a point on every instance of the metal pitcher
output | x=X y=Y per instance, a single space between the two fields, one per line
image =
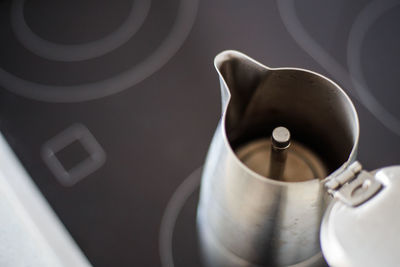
x=245 y=217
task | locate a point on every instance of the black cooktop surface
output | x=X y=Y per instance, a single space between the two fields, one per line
x=111 y=105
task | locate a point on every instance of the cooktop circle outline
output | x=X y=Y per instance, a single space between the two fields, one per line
x=295 y=28
x=363 y=22
x=93 y=90
x=171 y=213
x=77 y=52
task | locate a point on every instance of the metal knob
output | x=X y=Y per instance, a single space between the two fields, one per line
x=279 y=146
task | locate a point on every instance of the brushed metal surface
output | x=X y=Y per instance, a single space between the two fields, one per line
x=262 y=221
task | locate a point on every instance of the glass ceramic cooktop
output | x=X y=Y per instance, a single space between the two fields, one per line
x=111 y=105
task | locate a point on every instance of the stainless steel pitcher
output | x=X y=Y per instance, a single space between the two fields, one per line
x=245 y=216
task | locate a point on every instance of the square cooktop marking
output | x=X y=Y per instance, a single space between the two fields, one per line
x=73 y=154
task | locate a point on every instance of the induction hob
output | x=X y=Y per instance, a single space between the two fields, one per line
x=110 y=106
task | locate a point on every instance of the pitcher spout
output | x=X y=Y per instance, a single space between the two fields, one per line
x=237 y=73
x=256 y=99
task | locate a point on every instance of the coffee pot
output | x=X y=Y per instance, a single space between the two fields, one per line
x=281 y=185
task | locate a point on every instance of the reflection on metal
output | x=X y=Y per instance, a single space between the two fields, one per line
x=302 y=164
x=78 y=52
x=185 y=18
x=76 y=132
x=259 y=220
x=172 y=210
x=360 y=27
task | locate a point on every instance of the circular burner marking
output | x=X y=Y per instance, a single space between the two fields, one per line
x=77 y=52
x=363 y=22
x=174 y=206
x=296 y=29
x=88 y=91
